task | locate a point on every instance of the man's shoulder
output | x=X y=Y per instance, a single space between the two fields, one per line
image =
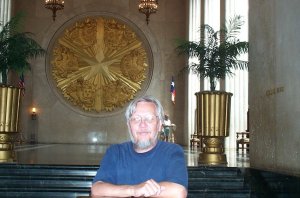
x=122 y=144
x=119 y=146
x=170 y=145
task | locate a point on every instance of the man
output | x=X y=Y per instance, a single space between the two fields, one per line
x=144 y=167
x=167 y=127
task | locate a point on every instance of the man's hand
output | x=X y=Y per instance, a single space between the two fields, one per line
x=147 y=189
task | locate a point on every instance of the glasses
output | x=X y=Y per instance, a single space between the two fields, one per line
x=137 y=119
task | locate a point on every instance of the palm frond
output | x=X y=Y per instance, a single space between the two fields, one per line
x=16 y=48
x=217 y=51
x=12 y=27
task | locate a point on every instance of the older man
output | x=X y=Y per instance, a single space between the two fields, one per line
x=144 y=166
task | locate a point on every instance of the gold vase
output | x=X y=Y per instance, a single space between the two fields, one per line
x=9 y=118
x=213 y=121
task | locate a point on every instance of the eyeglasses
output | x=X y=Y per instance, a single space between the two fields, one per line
x=137 y=119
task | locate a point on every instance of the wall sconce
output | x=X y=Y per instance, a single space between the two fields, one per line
x=148 y=7
x=54 y=5
x=33 y=113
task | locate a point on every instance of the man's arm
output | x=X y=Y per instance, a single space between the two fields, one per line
x=102 y=189
x=146 y=189
x=149 y=188
x=172 y=190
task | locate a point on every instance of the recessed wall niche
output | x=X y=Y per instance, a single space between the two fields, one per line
x=98 y=64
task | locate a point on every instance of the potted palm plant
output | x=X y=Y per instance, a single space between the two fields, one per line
x=217 y=54
x=16 y=49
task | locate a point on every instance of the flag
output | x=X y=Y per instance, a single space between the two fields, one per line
x=172 y=90
x=22 y=84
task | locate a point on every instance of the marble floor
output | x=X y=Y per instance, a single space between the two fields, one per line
x=81 y=154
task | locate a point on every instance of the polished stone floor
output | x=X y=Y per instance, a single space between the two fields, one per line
x=81 y=154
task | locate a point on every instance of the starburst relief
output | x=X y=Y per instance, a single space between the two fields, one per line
x=99 y=64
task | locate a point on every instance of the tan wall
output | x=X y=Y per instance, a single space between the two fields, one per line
x=274 y=83
x=57 y=122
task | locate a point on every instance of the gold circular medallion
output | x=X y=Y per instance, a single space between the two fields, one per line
x=98 y=64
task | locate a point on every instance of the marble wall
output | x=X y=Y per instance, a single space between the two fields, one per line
x=58 y=122
x=274 y=85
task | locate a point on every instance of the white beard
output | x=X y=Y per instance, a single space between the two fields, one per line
x=145 y=144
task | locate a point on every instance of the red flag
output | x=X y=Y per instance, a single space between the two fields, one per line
x=173 y=91
x=22 y=84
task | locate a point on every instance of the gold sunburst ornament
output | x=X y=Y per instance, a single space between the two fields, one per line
x=99 y=64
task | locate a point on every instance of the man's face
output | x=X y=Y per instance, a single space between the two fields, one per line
x=144 y=126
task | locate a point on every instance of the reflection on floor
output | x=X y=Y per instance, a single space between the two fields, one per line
x=81 y=154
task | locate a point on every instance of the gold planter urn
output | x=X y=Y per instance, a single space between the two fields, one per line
x=213 y=120
x=9 y=117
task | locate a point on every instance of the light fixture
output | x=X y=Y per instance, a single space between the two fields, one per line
x=54 y=5
x=33 y=113
x=95 y=140
x=148 y=7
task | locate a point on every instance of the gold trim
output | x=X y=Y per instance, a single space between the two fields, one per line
x=213 y=121
x=10 y=107
x=9 y=117
x=213 y=113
